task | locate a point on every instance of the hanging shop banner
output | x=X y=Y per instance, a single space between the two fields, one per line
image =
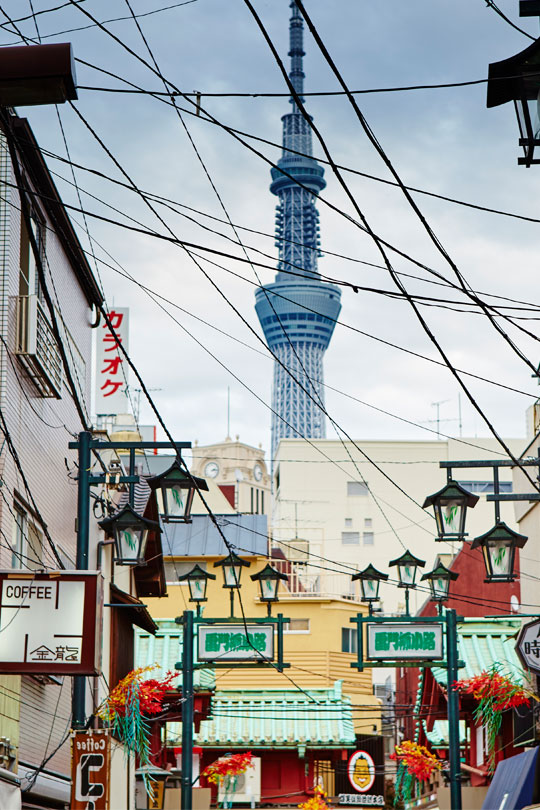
x=90 y=770
x=229 y=642
x=111 y=368
x=404 y=641
x=50 y=623
x=359 y=780
x=528 y=646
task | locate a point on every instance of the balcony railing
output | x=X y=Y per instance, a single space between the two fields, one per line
x=307 y=580
x=37 y=347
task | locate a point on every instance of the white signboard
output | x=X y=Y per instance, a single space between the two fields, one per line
x=528 y=646
x=111 y=368
x=48 y=623
x=404 y=641
x=228 y=642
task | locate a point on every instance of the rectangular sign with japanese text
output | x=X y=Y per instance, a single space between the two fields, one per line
x=111 y=368
x=50 y=623
x=90 y=770
x=229 y=642
x=404 y=641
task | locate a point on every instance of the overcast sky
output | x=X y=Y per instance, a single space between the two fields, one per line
x=442 y=140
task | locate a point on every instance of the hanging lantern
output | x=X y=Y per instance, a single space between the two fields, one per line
x=232 y=568
x=175 y=489
x=407 y=566
x=370 y=580
x=268 y=580
x=439 y=582
x=197 y=579
x=130 y=533
x=450 y=506
x=499 y=549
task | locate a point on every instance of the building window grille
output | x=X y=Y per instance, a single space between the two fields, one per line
x=350 y=538
x=357 y=488
x=296 y=626
x=368 y=538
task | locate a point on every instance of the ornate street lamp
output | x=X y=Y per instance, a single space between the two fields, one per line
x=232 y=566
x=197 y=579
x=517 y=79
x=268 y=579
x=499 y=549
x=439 y=582
x=130 y=533
x=450 y=506
x=174 y=490
x=407 y=566
x=370 y=580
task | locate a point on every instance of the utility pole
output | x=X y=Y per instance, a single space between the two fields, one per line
x=187 y=709
x=452 y=697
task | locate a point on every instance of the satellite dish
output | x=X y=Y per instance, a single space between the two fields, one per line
x=514 y=604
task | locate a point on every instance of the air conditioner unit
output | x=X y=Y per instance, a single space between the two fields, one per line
x=244 y=788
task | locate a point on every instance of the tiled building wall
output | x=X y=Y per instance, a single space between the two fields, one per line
x=40 y=429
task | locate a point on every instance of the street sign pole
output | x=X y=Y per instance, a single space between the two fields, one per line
x=187 y=709
x=453 y=709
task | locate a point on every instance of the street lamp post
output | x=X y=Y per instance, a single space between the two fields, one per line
x=499 y=549
x=370 y=580
x=407 y=566
x=232 y=570
x=269 y=579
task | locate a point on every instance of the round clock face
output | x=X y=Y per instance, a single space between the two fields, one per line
x=257 y=472
x=211 y=470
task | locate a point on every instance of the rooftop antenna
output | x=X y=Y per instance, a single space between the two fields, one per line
x=437 y=405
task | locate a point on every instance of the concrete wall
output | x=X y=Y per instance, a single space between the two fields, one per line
x=311 y=501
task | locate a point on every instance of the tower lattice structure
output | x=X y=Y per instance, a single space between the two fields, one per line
x=298 y=311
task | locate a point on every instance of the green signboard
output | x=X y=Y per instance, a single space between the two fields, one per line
x=404 y=641
x=229 y=642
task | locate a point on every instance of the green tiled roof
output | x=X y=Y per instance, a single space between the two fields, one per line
x=165 y=649
x=484 y=642
x=281 y=718
x=438 y=736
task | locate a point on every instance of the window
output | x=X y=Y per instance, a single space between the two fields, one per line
x=368 y=538
x=348 y=522
x=28 y=277
x=486 y=487
x=349 y=640
x=27 y=542
x=296 y=626
x=356 y=488
x=368 y=523
x=350 y=538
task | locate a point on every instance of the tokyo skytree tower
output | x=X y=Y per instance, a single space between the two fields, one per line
x=297 y=312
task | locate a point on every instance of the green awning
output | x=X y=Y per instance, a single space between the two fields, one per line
x=438 y=736
x=484 y=642
x=165 y=650
x=281 y=718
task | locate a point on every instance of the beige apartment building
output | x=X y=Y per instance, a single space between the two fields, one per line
x=335 y=511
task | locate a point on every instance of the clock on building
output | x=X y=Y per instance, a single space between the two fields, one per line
x=258 y=472
x=212 y=469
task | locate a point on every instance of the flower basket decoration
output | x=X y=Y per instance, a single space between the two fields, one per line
x=495 y=694
x=227 y=769
x=415 y=765
x=128 y=706
x=317 y=801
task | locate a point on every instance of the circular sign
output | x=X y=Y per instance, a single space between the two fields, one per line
x=361 y=771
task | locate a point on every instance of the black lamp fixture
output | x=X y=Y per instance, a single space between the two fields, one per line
x=197 y=580
x=450 y=507
x=407 y=566
x=175 y=489
x=269 y=579
x=499 y=549
x=370 y=580
x=232 y=566
x=517 y=79
x=130 y=533
x=439 y=582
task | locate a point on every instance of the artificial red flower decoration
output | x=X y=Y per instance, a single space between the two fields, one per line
x=416 y=764
x=229 y=765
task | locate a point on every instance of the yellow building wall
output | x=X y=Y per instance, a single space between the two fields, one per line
x=10 y=697
x=316 y=658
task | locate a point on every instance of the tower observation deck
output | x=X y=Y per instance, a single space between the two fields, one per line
x=297 y=312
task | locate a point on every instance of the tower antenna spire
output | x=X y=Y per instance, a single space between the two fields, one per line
x=296 y=51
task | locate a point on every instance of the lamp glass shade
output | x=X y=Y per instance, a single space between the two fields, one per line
x=231 y=575
x=130 y=544
x=175 y=489
x=370 y=589
x=499 y=559
x=197 y=588
x=450 y=509
x=440 y=587
x=407 y=574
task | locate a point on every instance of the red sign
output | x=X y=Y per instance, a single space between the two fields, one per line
x=50 y=623
x=111 y=370
x=90 y=770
